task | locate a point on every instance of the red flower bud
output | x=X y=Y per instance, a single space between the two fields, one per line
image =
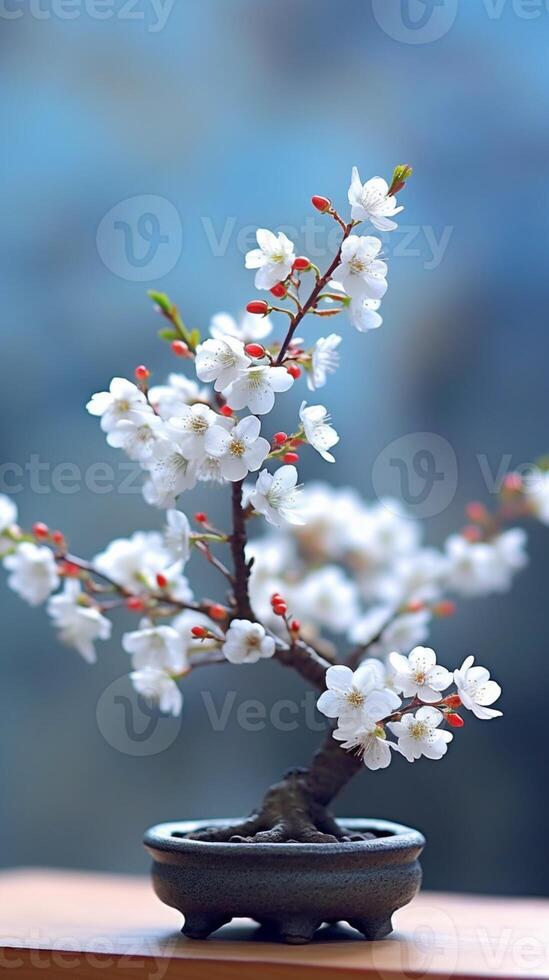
x=279 y=290
x=226 y=411
x=258 y=306
x=58 y=537
x=69 y=570
x=295 y=626
x=217 y=611
x=476 y=512
x=276 y=597
x=280 y=438
x=301 y=263
x=280 y=608
x=142 y=373
x=179 y=348
x=294 y=370
x=455 y=721
x=201 y=518
x=161 y=581
x=40 y=530
x=322 y=204
x=415 y=605
x=453 y=701
x=445 y=608
x=513 y=483
x=255 y=350
x=472 y=533
x=199 y=631
x=290 y=458
x=135 y=604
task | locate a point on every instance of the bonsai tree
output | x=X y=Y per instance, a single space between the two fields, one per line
x=341 y=591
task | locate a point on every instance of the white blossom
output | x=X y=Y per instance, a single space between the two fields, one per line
x=157 y=687
x=121 y=400
x=222 y=360
x=366 y=734
x=478 y=568
x=134 y=562
x=160 y=647
x=418 y=734
x=136 y=435
x=363 y=314
x=324 y=360
x=79 y=623
x=347 y=692
x=318 y=431
x=273 y=259
x=189 y=428
x=327 y=597
x=278 y=497
x=249 y=329
x=419 y=675
x=177 y=536
x=246 y=643
x=8 y=520
x=371 y=202
x=170 y=474
x=167 y=399
x=476 y=690
x=536 y=491
x=239 y=451
x=34 y=573
x=255 y=388
x=361 y=273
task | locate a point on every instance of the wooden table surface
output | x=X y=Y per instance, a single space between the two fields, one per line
x=103 y=926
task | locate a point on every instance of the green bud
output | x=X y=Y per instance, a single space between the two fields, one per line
x=161 y=300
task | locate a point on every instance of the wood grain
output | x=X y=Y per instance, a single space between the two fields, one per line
x=106 y=926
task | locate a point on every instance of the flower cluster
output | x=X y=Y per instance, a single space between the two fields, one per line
x=334 y=568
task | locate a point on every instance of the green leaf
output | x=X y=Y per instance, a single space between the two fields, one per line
x=161 y=300
x=168 y=334
x=194 y=338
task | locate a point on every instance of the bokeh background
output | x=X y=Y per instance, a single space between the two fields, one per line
x=233 y=114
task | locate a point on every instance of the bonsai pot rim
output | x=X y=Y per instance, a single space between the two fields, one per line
x=170 y=838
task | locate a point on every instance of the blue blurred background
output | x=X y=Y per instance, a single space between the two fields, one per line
x=233 y=114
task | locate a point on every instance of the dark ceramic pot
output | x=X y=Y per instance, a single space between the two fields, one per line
x=290 y=888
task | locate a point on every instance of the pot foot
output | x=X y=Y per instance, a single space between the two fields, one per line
x=373 y=929
x=297 y=931
x=201 y=926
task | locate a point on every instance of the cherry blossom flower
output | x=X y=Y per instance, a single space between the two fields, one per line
x=419 y=675
x=136 y=435
x=278 y=497
x=324 y=360
x=79 y=624
x=8 y=520
x=363 y=314
x=476 y=690
x=170 y=474
x=255 y=388
x=121 y=400
x=365 y=732
x=361 y=274
x=246 y=643
x=239 y=451
x=318 y=432
x=221 y=360
x=371 y=202
x=177 y=536
x=189 y=428
x=157 y=687
x=167 y=399
x=348 y=692
x=134 y=562
x=328 y=597
x=478 y=568
x=536 y=491
x=160 y=647
x=394 y=633
x=34 y=573
x=249 y=329
x=273 y=259
x=418 y=734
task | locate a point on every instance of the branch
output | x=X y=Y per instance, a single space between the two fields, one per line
x=238 y=550
x=313 y=298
